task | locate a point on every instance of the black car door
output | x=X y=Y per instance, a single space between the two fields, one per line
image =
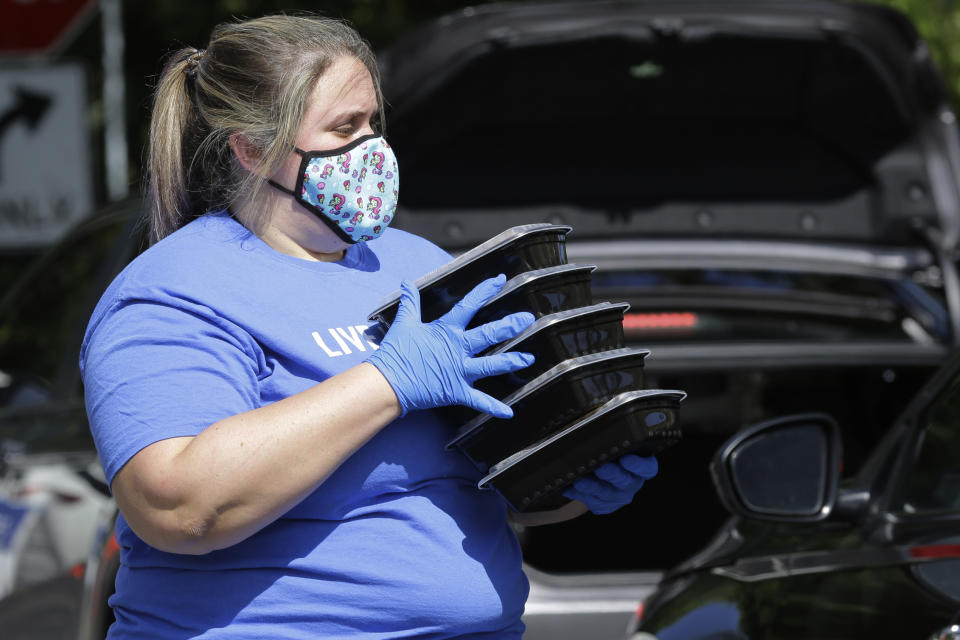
x=922 y=506
x=896 y=571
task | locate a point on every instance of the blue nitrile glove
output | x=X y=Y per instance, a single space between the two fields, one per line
x=612 y=485
x=432 y=365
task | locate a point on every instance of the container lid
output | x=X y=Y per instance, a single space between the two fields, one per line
x=529 y=277
x=615 y=403
x=497 y=242
x=543 y=323
x=564 y=368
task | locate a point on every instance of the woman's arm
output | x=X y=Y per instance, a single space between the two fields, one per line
x=196 y=494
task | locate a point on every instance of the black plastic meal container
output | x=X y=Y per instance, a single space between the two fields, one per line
x=557 y=337
x=643 y=422
x=555 y=398
x=517 y=250
x=541 y=292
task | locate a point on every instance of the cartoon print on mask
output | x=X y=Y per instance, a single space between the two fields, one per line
x=373 y=207
x=376 y=197
x=316 y=200
x=377 y=161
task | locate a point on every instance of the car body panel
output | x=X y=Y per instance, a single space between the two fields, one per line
x=877 y=567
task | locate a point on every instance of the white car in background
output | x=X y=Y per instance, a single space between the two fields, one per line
x=48 y=515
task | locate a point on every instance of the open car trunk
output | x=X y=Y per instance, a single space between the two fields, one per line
x=772 y=119
x=796 y=159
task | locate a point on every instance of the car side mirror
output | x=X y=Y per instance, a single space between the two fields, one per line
x=785 y=470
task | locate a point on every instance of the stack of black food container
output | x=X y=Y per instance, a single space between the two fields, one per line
x=582 y=402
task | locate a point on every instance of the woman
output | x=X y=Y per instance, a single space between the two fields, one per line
x=277 y=470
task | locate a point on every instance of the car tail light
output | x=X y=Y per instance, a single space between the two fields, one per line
x=936 y=551
x=638 y=614
x=937 y=566
x=659 y=321
x=634 y=625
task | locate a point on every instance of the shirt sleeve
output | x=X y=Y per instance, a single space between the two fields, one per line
x=154 y=370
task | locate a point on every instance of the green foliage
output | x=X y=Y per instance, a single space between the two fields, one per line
x=938 y=22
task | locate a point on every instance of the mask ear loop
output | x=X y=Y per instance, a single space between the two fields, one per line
x=298 y=187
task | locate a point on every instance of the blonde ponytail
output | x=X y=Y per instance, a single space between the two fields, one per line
x=173 y=122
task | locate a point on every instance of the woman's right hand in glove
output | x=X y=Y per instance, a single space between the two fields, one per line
x=433 y=365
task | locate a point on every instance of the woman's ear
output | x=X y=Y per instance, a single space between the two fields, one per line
x=247 y=154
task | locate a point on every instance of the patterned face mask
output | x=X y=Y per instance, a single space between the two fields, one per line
x=353 y=189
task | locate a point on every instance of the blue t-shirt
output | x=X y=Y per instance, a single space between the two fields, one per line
x=397 y=543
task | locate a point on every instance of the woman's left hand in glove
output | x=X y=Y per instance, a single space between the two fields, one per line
x=613 y=484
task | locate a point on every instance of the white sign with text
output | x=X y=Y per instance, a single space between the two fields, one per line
x=45 y=174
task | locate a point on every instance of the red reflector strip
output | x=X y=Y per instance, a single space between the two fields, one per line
x=936 y=551
x=77 y=570
x=671 y=320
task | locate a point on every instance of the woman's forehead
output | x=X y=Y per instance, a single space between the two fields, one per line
x=346 y=87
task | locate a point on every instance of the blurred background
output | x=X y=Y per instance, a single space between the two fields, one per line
x=76 y=78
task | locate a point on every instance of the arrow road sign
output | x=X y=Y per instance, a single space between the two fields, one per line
x=45 y=174
x=29 y=107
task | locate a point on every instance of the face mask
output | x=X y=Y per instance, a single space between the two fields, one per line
x=353 y=189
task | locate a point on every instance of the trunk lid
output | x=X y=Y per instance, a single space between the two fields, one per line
x=753 y=119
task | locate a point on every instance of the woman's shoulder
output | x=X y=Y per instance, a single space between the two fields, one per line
x=187 y=270
x=203 y=243
x=186 y=261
